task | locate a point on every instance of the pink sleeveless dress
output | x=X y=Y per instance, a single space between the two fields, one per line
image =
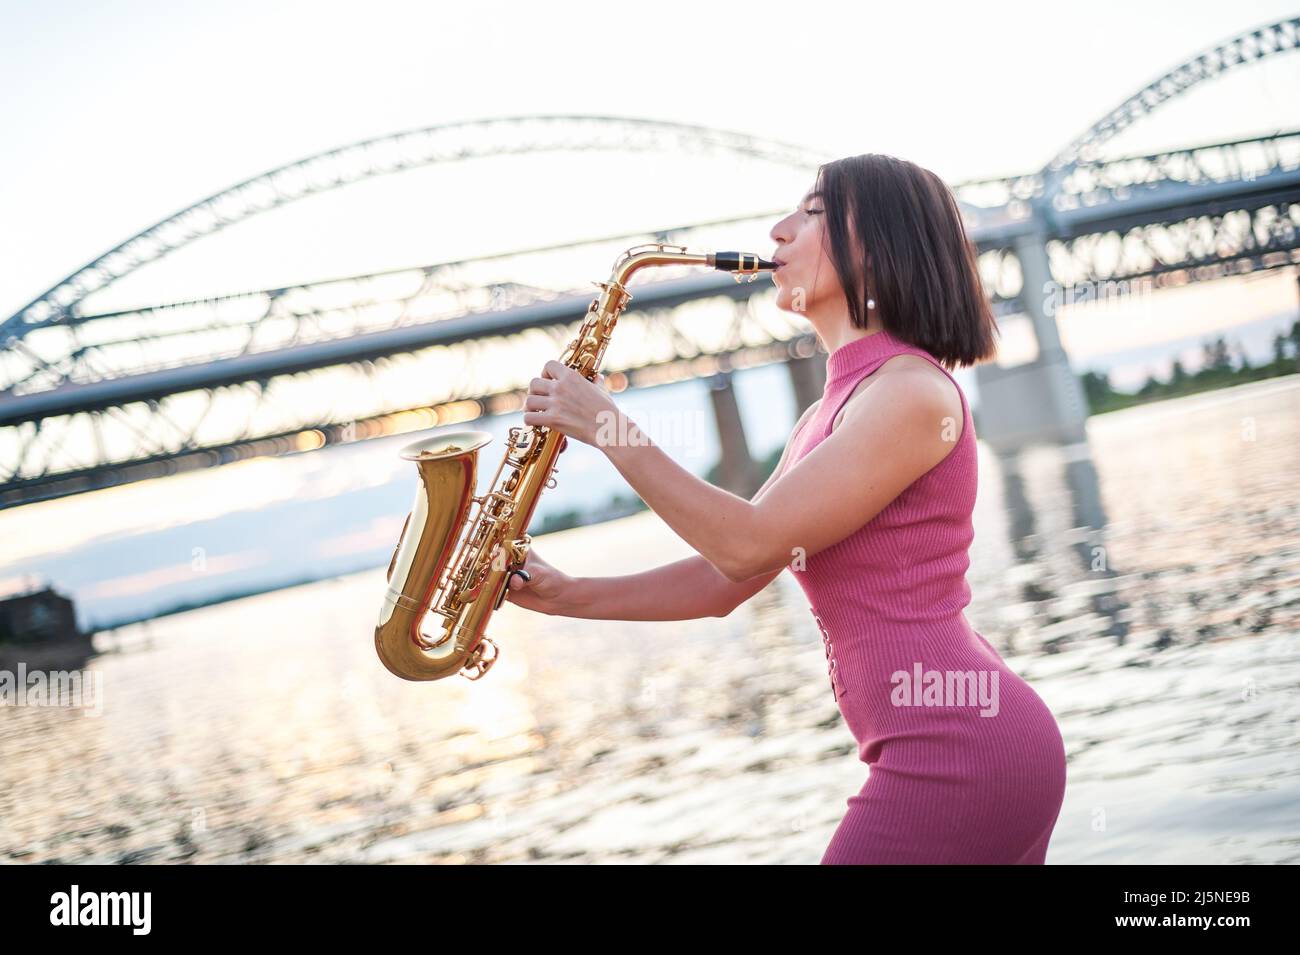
x=966 y=764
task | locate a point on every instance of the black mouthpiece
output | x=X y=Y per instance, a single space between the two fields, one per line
x=744 y=262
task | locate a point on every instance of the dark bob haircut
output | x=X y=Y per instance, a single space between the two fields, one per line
x=922 y=272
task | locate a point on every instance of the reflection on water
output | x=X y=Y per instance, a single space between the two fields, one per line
x=1150 y=594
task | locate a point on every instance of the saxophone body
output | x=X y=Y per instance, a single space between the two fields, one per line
x=458 y=551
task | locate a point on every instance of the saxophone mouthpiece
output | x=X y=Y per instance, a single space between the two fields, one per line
x=746 y=263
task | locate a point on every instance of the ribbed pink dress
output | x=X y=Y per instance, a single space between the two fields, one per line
x=966 y=763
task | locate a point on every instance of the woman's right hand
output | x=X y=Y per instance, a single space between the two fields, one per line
x=550 y=591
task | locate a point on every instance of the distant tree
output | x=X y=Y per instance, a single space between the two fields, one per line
x=1178 y=374
x=1279 y=349
x=1242 y=358
x=1096 y=386
x=1222 y=357
x=1215 y=356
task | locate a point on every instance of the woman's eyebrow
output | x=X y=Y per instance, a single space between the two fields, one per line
x=806 y=199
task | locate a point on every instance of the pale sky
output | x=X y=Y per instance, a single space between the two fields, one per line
x=116 y=114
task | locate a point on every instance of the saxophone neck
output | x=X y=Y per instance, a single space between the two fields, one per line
x=649 y=256
x=585 y=353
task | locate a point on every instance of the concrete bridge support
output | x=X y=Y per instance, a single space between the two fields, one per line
x=808 y=379
x=1040 y=401
x=737 y=471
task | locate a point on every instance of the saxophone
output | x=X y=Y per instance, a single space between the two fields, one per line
x=462 y=586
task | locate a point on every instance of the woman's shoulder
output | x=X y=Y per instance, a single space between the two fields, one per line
x=920 y=377
x=920 y=368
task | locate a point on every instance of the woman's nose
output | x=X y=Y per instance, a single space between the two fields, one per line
x=779 y=231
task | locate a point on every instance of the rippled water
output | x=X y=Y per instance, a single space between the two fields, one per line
x=1150 y=593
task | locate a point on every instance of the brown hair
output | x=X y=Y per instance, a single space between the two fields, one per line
x=922 y=272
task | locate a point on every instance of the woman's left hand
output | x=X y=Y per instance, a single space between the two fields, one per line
x=565 y=401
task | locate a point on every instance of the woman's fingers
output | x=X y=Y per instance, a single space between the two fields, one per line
x=554 y=369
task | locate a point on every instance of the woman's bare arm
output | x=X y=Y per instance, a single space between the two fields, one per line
x=683 y=590
x=895 y=432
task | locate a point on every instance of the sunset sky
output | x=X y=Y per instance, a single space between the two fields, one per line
x=118 y=114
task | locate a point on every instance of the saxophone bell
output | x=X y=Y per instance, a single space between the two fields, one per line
x=448 y=470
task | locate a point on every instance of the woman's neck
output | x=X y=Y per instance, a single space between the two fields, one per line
x=838 y=334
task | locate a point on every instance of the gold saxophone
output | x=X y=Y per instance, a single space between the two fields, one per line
x=465 y=585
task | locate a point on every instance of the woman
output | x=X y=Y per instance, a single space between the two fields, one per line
x=870 y=507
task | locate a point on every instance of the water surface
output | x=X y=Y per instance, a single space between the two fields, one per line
x=1150 y=592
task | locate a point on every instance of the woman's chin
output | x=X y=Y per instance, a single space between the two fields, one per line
x=786 y=304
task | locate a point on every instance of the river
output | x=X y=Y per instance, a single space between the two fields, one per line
x=1148 y=589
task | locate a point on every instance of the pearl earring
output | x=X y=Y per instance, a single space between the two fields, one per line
x=871 y=303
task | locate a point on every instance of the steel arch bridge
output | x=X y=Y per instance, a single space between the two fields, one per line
x=89 y=400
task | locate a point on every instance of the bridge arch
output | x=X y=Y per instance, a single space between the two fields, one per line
x=395 y=152
x=1243 y=49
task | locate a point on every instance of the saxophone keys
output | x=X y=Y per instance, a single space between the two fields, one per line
x=478 y=664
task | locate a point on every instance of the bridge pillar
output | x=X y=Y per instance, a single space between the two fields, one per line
x=1040 y=401
x=737 y=471
x=808 y=379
